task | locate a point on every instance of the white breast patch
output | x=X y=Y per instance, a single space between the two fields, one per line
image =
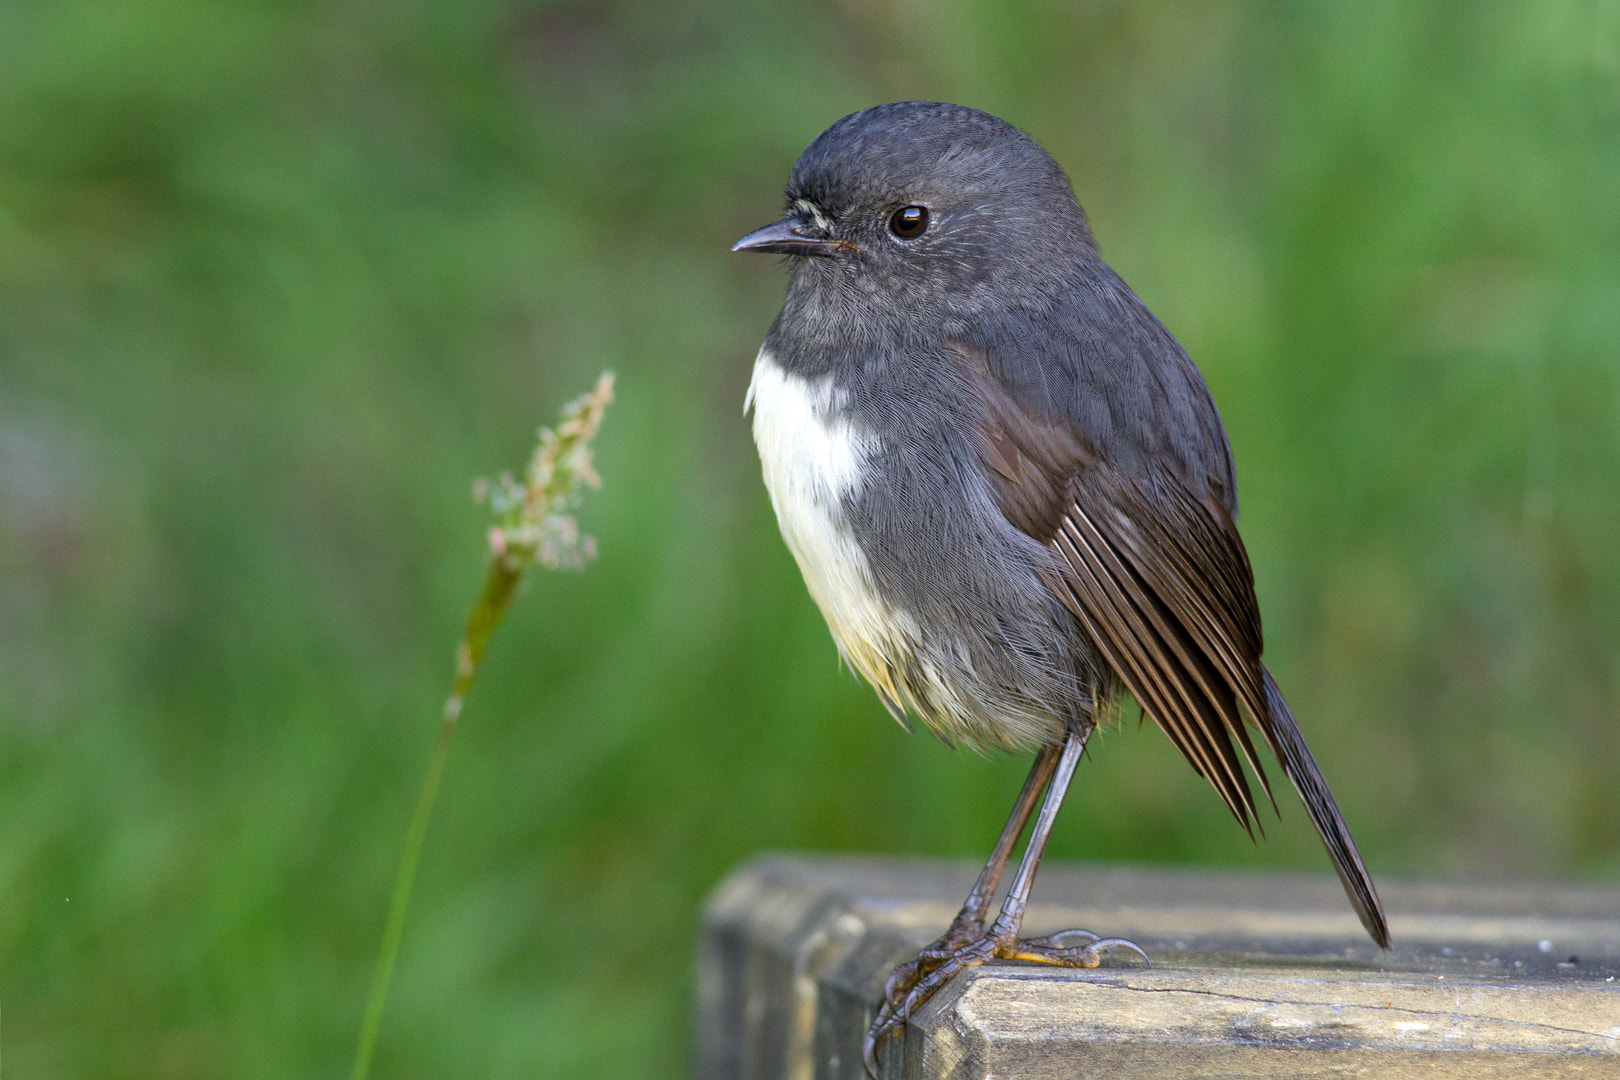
x=813 y=458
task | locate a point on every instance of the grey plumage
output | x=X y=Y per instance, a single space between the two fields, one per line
x=1043 y=509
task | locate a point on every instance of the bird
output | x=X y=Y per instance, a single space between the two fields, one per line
x=1009 y=492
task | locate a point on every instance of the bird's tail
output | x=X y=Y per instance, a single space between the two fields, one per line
x=1301 y=768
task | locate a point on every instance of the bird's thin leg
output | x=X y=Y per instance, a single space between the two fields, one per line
x=1040 y=773
x=1000 y=941
x=1005 y=929
x=969 y=922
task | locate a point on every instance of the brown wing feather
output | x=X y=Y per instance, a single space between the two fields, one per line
x=1185 y=693
x=1158 y=576
x=1097 y=605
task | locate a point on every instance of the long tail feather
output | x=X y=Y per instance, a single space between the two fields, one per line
x=1301 y=768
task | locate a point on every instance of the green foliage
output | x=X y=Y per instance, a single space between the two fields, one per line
x=276 y=279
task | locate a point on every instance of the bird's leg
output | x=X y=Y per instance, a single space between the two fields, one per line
x=969 y=922
x=941 y=962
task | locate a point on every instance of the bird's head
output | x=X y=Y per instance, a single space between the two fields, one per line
x=935 y=208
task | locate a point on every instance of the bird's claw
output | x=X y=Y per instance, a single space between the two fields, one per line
x=911 y=984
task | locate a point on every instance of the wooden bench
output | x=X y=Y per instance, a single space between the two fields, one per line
x=1253 y=974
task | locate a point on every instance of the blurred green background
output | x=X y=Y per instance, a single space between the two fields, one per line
x=278 y=279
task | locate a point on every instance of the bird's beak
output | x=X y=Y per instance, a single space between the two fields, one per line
x=792 y=235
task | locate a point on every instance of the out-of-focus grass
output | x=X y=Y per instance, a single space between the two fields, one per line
x=276 y=280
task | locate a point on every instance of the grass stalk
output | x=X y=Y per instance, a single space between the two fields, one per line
x=532 y=525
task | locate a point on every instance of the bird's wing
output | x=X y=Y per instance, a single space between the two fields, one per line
x=1164 y=591
x=1156 y=573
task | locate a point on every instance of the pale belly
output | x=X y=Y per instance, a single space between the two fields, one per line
x=817 y=462
x=814 y=460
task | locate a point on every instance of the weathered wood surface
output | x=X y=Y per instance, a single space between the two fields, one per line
x=1253 y=974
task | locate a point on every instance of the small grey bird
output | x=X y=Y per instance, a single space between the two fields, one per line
x=1009 y=491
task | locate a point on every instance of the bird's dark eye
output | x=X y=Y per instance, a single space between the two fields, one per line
x=909 y=222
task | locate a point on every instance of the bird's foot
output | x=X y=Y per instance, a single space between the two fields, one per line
x=964 y=930
x=967 y=945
